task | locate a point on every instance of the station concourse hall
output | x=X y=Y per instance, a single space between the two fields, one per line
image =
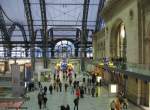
x=74 y=54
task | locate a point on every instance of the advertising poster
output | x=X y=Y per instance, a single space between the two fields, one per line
x=15 y=79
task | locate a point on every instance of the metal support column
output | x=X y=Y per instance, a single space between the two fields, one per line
x=76 y=50
x=52 y=42
x=31 y=31
x=84 y=33
x=44 y=32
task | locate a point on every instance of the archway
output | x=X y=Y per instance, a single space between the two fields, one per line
x=1 y=46
x=147 y=46
x=118 y=40
x=89 y=53
x=64 y=49
x=20 y=27
x=38 y=52
x=18 y=52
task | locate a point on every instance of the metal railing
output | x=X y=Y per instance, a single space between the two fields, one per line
x=143 y=69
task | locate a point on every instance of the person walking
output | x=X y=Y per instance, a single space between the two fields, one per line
x=77 y=93
x=67 y=107
x=70 y=81
x=45 y=89
x=96 y=91
x=75 y=84
x=112 y=105
x=40 y=85
x=75 y=75
x=76 y=103
x=125 y=103
x=40 y=100
x=89 y=90
x=117 y=104
x=72 y=89
x=82 y=92
x=66 y=86
x=93 y=91
x=44 y=101
x=62 y=107
x=54 y=84
x=51 y=89
x=60 y=86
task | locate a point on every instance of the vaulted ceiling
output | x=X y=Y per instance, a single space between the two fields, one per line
x=59 y=19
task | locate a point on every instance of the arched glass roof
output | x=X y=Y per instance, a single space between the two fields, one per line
x=59 y=13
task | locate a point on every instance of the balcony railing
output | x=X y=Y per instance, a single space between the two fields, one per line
x=143 y=69
x=121 y=64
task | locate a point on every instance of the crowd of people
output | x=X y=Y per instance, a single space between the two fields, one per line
x=78 y=89
x=88 y=86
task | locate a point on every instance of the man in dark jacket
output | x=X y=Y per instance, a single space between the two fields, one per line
x=51 y=89
x=93 y=91
x=40 y=100
x=76 y=103
x=44 y=101
x=67 y=107
x=45 y=89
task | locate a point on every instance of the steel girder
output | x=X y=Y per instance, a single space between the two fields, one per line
x=98 y=19
x=12 y=28
x=50 y=34
x=44 y=31
x=6 y=37
x=31 y=30
x=84 y=33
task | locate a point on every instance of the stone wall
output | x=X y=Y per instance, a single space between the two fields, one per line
x=131 y=27
x=147 y=34
x=132 y=89
x=135 y=14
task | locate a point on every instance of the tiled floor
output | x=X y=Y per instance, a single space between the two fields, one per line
x=87 y=103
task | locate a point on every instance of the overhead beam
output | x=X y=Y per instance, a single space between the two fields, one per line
x=78 y=25
x=80 y=4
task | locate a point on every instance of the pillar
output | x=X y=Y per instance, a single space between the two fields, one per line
x=76 y=51
x=32 y=51
x=138 y=91
x=82 y=53
x=52 y=51
x=45 y=48
x=149 y=93
x=125 y=84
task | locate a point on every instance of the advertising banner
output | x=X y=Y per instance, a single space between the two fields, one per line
x=15 y=79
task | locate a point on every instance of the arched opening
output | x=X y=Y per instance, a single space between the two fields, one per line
x=64 y=49
x=89 y=52
x=18 y=52
x=1 y=46
x=38 y=52
x=118 y=41
x=48 y=53
x=1 y=52
x=147 y=46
